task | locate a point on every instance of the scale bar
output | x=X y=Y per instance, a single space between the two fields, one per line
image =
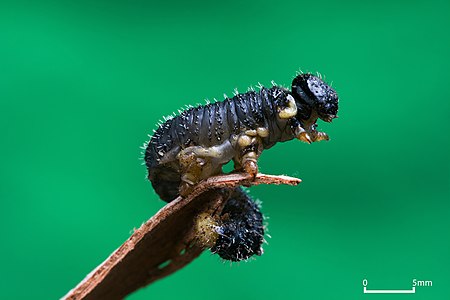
x=413 y=291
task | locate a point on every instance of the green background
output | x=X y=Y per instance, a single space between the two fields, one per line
x=83 y=83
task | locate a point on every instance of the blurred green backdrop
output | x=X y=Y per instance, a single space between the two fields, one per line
x=83 y=83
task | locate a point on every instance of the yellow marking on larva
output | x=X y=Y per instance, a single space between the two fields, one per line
x=244 y=141
x=251 y=132
x=262 y=132
x=290 y=110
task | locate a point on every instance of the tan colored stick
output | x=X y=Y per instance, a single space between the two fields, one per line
x=163 y=244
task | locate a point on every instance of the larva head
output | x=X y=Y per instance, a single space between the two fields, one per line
x=312 y=92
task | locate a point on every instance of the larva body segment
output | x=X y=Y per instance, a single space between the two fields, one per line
x=197 y=143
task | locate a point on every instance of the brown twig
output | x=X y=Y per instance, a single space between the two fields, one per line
x=165 y=243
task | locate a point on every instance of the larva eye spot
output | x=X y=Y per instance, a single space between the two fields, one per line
x=313 y=92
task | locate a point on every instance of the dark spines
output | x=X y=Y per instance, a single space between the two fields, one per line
x=167 y=140
x=232 y=116
x=160 y=143
x=257 y=109
x=196 y=125
x=188 y=127
x=241 y=232
x=281 y=96
x=218 y=124
x=252 y=118
x=202 y=138
x=184 y=128
x=176 y=132
x=150 y=154
x=215 y=130
x=268 y=106
x=243 y=110
x=245 y=107
x=211 y=111
x=269 y=109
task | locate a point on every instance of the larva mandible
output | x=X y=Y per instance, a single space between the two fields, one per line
x=196 y=144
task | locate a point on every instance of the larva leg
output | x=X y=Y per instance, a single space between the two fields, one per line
x=308 y=134
x=319 y=136
x=302 y=134
x=249 y=148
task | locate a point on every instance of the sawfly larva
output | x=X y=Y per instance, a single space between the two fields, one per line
x=194 y=145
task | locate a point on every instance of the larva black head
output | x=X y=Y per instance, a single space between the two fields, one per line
x=312 y=92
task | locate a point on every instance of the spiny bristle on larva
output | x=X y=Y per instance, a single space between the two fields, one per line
x=144 y=145
x=319 y=75
x=299 y=72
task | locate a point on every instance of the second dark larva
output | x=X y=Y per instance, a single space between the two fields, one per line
x=197 y=143
x=240 y=228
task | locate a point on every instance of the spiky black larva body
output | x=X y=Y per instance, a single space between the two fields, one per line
x=197 y=143
x=211 y=125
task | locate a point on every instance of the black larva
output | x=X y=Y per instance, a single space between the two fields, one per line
x=241 y=230
x=197 y=143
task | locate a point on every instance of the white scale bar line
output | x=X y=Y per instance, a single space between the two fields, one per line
x=413 y=291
